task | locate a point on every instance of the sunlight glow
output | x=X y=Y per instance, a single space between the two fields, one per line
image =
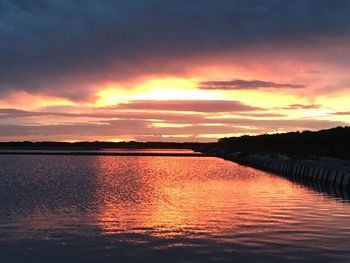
x=317 y=113
x=172 y=89
x=155 y=89
x=111 y=96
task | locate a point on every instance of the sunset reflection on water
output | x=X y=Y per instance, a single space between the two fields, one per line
x=196 y=197
x=128 y=206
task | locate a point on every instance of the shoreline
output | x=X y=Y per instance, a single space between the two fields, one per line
x=102 y=153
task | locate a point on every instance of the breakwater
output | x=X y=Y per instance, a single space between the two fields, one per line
x=330 y=172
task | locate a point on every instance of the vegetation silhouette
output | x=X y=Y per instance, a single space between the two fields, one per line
x=333 y=142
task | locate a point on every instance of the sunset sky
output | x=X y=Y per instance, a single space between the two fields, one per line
x=171 y=70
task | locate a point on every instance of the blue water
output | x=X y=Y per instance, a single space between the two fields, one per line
x=163 y=209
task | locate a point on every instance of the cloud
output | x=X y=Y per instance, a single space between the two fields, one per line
x=240 y=84
x=311 y=71
x=302 y=106
x=115 y=112
x=186 y=110
x=112 y=116
x=187 y=105
x=115 y=128
x=285 y=124
x=341 y=113
x=60 y=47
x=261 y=115
x=137 y=128
x=103 y=123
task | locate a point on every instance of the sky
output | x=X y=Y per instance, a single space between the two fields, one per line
x=171 y=70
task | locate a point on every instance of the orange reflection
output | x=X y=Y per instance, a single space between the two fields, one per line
x=168 y=197
x=139 y=199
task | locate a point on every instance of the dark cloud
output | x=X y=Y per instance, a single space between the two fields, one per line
x=116 y=127
x=261 y=115
x=104 y=113
x=112 y=128
x=240 y=84
x=187 y=105
x=302 y=106
x=341 y=113
x=60 y=46
x=285 y=124
x=15 y=113
x=149 y=110
x=310 y=71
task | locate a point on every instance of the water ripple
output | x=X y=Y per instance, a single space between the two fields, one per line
x=89 y=208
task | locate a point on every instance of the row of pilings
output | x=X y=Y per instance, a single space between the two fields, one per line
x=330 y=174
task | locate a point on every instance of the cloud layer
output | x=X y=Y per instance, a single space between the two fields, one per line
x=240 y=84
x=60 y=47
x=187 y=105
x=112 y=123
x=100 y=69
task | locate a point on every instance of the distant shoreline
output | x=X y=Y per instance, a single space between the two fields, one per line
x=333 y=143
x=101 y=153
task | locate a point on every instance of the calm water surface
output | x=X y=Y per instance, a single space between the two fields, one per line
x=162 y=209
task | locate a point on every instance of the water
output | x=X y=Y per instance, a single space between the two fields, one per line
x=163 y=209
x=102 y=151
